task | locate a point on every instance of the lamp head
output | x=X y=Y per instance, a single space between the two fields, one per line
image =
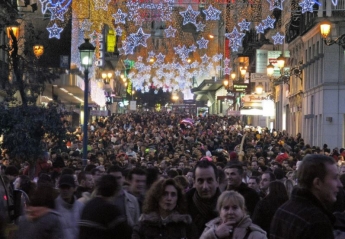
x=281 y=61
x=270 y=69
x=325 y=29
x=259 y=89
x=233 y=75
x=226 y=83
x=38 y=50
x=87 y=51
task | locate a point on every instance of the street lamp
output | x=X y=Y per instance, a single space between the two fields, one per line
x=38 y=50
x=107 y=76
x=259 y=89
x=87 y=51
x=13 y=29
x=270 y=69
x=325 y=30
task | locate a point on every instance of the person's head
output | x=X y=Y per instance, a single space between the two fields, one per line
x=234 y=174
x=277 y=189
x=266 y=178
x=67 y=187
x=85 y=180
x=107 y=186
x=206 y=179
x=42 y=196
x=231 y=207
x=137 y=180
x=254 y=183
x=163 y=197
x=254 y=165
x=11 y=172
x=190 y=178
x=96 y=174
x=116 y=171
x=318 y=173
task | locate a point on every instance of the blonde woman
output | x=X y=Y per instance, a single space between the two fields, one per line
x=233 y=221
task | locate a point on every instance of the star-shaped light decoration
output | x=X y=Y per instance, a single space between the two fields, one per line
x=151 y=54
x=236 y=37
x=160 y=58
x=101 y=4
x=276 y=4
x=170 y=32
x=86 y=25
x=335 y=2
x=200 y=27
x=189 y=16
x=202 y=43
x=260 y=28
x=211 y=13
x=205 y=59
x=226 y=61
x=54 y=31
x=193 y=48
x=56 y=13
x=118 y=31
x=117 y=73
x=227 y=70
x=141 y=37
x=307 y=5
x=120 y=17
x=269 y=22
x=94 y=36
x=244 y=25
x=140 y=58
x=278 y=39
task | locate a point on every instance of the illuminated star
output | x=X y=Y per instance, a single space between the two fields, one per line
x=170 y=32
x=335 y=2
x=140 y=58
x=138 y=21
x=94 y=36
x=101 y=4
x=260 y=29
x=278 y=4
x=54 y=31
x=86 y=25
x=211 y=13
x=57 y=12
x=205 y=59
x=244 y=25
x=118 y=31
x=200 y=27
x=278 y=39
x=120 y=17
x=151 y=54
x=160 y=58
x=269 y=22
x=227 y=70
x=189 y=16
x=307 y=5
x=117 y=73
x=226 y=61
x=202 y=43
x=141 y=37
x=192 y=48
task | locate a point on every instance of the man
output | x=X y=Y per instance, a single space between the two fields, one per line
x=234 y=174
x=305 y=214
x=202 y=199
x=69 y=207
x=86 y=184
x=137 y=180
x=266 y=178
x=253 y=183
x=254 y=165
x=124 y=201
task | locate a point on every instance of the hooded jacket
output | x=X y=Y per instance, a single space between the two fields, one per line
x=239 y=231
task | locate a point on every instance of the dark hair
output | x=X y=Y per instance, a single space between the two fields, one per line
x=137 y=171
x=313 y=166
x=257 y=179
x=12 y=170
x=43 y=196
x=182 y=181
x=272 y=176
x=82 y=176
x=157 y=191
x=114 y=169
x=236 y=166
x=206 y=164
x=107 y=186
x=69 y=171
x=277 y=190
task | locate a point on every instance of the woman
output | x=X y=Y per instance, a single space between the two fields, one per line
x=265 y=209
x=233 y=221
x=164 y=214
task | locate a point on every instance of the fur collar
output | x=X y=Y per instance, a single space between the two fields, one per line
x=175 y=217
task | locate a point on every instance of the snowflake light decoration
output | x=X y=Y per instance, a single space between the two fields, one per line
x=211 y=13
x=202 y=43
x=170 y=32
x=276 y=4
x=54 y=31
x=86 y=25
x=189 y=16
x=120 y=17
x=200 y=27
x=278 y=39
x=269 y=22
x=244 y=25
x=260 y=28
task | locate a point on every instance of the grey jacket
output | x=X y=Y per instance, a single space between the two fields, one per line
x=70 y=216
x=239 y=231
x=132 y=209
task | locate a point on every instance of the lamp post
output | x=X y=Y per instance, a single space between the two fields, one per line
x=86 y=57
x=325 y=30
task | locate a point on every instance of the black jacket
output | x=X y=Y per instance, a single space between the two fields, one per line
x=302 y=217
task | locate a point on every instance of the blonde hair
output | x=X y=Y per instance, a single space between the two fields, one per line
x=231 y=196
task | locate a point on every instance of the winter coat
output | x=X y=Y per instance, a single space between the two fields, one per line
x=239 y=232
x=175 y=226
x=132 y=209
x=70 y=216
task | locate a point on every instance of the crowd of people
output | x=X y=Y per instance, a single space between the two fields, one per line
x=169 y=175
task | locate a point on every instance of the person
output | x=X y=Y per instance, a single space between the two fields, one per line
x=86 y=184
x=202 y=199
x=137 y=180
x=265 y=209
x=126 y=202
x=164 y=214
x=41 y=221
x=233 y=222
x=100 y=217
x=305 y=214
x=266 y=178
x=67 y=205
x=234 y=174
